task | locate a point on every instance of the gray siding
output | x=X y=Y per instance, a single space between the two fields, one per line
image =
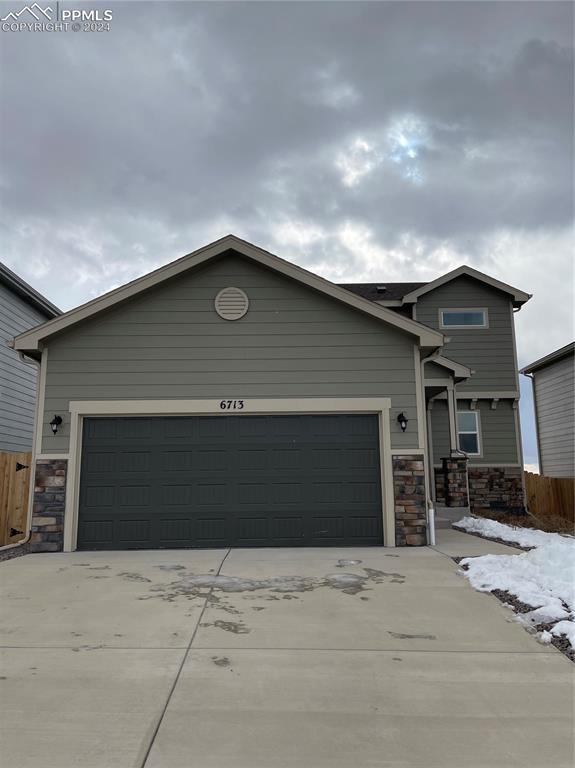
x=437 y=372
x=17 y=379
x=488 y=351
x=170 y=344
x=554 y=392
x=497 y=429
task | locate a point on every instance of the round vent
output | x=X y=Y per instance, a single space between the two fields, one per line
x=231 y=303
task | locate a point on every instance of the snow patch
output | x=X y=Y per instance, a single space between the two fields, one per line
x=543 y=578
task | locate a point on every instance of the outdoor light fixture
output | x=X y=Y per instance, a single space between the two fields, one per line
x=55 y=423
x=402 y=421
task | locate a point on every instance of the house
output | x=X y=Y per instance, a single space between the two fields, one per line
x=21 y=308
x=553 y=381
x=234 y=398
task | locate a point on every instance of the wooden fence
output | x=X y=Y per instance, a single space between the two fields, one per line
x=14 y=487
x=550 y=496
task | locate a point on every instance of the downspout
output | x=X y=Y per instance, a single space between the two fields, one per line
x=426 y=468
x=26 y=539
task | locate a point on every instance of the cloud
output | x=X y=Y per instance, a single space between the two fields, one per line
x=364 y=141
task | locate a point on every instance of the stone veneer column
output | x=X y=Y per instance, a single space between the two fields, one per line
x=409 y=499
x=48 y=508
x=454 y=472
x=496 y=489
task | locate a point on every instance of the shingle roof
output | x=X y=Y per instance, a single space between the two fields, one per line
x=381 y=291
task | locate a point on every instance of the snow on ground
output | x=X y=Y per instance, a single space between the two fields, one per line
x=543 y=578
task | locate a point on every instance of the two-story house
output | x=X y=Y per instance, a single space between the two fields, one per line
x=232 y=398
x=21 y=308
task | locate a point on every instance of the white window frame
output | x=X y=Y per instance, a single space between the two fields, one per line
x=476 y=431
x=484 y=325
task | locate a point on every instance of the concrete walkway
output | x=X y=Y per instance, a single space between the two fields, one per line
x=126 y=660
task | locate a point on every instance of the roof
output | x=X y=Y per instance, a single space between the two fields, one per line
x=519 y=297
x=458 y=370
x=381 y=291
x=553 y=357
x=26 y=292
x=31 y=340
x=396 y=294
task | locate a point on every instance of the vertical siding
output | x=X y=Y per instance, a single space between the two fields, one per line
x=554 y=391
x=169 y=343
x=17 y=379
x=488 y=351
x=497 y=429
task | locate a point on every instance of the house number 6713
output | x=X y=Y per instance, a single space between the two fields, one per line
x=231 y=405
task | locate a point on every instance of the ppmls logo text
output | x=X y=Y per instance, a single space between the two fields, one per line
x=38 y=18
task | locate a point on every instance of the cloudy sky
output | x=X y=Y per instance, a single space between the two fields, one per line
x=364 y=141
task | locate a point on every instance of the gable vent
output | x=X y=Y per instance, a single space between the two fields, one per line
x=231 y=303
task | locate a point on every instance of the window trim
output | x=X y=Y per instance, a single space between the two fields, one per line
x=484 y=325
x=477 y=432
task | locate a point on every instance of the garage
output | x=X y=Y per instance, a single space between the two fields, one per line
x=230 y=480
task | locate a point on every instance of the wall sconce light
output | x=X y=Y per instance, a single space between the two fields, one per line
x=55 y=423
x=402 y=421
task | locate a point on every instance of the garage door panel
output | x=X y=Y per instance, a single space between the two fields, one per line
x=134 y=496
x=230 y=480
x=211 y=531
x=175 y=532
x=134 y=531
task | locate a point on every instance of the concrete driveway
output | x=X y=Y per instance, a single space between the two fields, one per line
x=302 y=658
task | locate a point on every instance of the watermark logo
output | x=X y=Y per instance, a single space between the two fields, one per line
x=34 y=10
x=35 y=18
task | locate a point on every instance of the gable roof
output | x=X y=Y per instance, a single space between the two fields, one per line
x=18 y=286
x=519 y=297
x=552 y=357
x=458 y=370
x=31 y=340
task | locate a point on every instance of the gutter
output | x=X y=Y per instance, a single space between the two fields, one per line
x=26 y=539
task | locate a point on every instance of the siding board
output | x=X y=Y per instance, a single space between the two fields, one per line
x=17 y=379
x=308 y=346
x=497 y=432
x=488 y=351
x=554 y=393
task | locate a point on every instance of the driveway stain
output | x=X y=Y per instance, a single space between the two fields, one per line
x=213 y=587
x=129 y=576
x=347 y=563
x=237 y=627
x=405 y=636
x=171 y=567
x=380 y=576
x=221 y=661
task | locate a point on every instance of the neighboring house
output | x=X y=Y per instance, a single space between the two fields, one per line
x=231 y=398
x=553 y=381
x=21 y=308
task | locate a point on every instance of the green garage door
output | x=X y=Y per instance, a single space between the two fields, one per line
x=219 y=481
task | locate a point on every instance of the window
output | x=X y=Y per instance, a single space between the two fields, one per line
x=468 y=432
x=463 y=318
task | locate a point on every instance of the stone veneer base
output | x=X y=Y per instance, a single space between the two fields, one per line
x=48 y=507
x=496 y=489
x=409 y=500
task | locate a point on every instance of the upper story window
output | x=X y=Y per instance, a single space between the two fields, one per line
x=463 y=318
x=468 y=432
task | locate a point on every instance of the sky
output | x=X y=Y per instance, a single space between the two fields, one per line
x=372 y=141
